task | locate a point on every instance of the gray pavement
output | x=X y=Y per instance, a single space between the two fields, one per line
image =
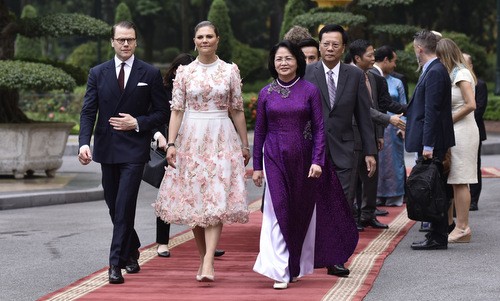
x=45 y=248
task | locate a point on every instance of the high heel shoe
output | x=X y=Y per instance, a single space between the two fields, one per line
x=198 y=278
x=207 y=278
x=460 y=235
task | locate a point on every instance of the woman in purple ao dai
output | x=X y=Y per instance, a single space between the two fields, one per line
x=306 y=222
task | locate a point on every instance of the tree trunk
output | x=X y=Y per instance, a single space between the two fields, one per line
x=9 y=99
x=10 y=113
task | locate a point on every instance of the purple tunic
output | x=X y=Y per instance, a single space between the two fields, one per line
x=289 y=127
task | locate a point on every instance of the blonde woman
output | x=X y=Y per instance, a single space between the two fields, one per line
x=463 y=169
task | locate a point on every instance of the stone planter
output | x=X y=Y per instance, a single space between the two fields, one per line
x=28 y=147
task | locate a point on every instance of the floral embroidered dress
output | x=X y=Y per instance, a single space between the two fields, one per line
x=207 y=187
x=307 y=222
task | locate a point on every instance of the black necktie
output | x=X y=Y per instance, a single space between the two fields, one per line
x=121 y=78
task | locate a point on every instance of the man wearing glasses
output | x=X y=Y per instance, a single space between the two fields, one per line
x=346 y=102
x=127 y=98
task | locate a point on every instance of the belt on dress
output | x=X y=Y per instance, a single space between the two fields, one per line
x=213 y=114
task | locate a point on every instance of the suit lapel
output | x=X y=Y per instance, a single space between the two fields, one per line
x=373 y=86
x=111 y=78
x=319 y=74
x=422 y=78
x=135 y=74
x=341 y=83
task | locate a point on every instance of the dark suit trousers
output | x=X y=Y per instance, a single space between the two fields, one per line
x=162 y=232
x=367 y=199
x=121 y=185
x=346 y=178
x=475 y=189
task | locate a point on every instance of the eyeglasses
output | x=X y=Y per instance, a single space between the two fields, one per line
x=122 y=41
x=334 y=45
x=287 y=59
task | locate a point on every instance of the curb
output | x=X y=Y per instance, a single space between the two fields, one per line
x=36 y=199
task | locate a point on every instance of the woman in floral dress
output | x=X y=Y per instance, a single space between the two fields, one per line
x=203 y=186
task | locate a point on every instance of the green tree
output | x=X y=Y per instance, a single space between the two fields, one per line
x=26 y=47
x=218 y=15
x=15 y=75
x=122 y=13
x=293 y=8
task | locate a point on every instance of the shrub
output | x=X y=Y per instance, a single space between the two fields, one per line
x=250 y=105
x=252 y=62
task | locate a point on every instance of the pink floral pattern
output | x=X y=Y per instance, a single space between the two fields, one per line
x=208 y=185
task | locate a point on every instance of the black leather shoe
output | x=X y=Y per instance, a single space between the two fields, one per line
x=373 y=223
x=338 y=270
x=381 y=212
x=115 y=275
x=473 y=207
x=219 y=253
x=380 y=202
x=429 y=244
x=132 y=266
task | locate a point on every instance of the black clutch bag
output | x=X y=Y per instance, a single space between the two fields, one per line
x=154 y=170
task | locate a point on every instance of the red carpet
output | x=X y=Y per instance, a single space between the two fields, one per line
x=174 y=278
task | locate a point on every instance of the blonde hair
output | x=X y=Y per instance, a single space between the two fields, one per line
x=451 y=56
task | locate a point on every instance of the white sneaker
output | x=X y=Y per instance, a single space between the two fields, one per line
x=280 y=285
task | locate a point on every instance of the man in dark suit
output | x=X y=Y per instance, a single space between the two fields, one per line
x=345 y=97
x=363 y=56
x=429 y=125
x=127 y=97
x=481 y=103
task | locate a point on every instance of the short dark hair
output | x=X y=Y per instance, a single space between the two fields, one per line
x=309 y=42
x=426 y=40
x=294 y=50
x=206 y=23
x=383 y=52
x=332 y=28
x=358 y=47
x=181 y=59
x=124 y=24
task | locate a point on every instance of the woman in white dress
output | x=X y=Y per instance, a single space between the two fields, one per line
x=204 y=186
x=463 y=168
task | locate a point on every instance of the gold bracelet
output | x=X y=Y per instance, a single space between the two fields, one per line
x=245 y=147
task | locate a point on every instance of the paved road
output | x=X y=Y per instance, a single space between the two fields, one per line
x=46 y=248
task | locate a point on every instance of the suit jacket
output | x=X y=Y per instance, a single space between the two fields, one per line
x=351 y=101
x=144 y=98
x=481 y=103
x=429 y=121
x=385 y=102
x=380 y=119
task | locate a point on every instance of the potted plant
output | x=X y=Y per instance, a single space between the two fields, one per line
x=28 y=145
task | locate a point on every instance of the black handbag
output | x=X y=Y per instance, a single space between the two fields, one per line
x=426 y=198
x=154 y=170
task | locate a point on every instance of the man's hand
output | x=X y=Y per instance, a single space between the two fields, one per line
x=427 y=154
x=396 y=121
x=380 y=143
x=85 y=155
x=123 y=123
x=371 y=165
